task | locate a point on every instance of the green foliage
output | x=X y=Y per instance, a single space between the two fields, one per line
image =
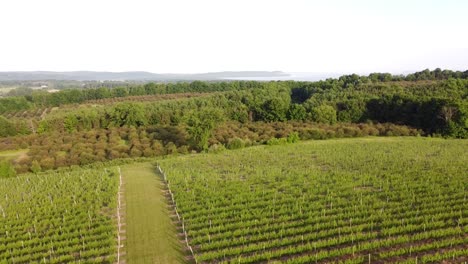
x=351 y=111
x=297 y=112
x=216 y=148
x=127 y=114
x=70 y=123
x=326 y=201
x=276 y=141
x=6 y=128
x=6 y=169
x=274 y=109
x=43 y=127
x=235 y=143
x=456 y=130
x=456 y=116
x=171 y=148
x=324 y=114
x=14 y=104
x=53 y=216
x=36 y=167
x=379 y=98
x=200 y=126
x=240 y=113
x=293 y=137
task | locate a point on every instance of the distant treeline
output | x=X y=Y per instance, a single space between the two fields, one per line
x=435 y=106
x=76 y=96
x=28 y=98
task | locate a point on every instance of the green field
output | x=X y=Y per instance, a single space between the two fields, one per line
x=150 y=234
x=59 y=217
x=377 y=200
x=374 y=200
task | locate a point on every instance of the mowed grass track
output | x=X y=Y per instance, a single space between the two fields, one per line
x=150 y=235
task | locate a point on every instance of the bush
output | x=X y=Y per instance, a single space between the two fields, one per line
x=157 y=147
x=235 y=143
x=85 y=158
x=324 y=114
x=276 y=141
x=148 y=152
x=314 y=133
x=135 y=152
x=216 y=148
x=183 y=149
x=293 y=137
x=171 y=148
x=48 y=163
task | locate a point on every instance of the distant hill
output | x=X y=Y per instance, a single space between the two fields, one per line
x=132 y=76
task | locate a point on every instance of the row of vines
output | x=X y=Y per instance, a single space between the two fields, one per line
x=346 y=201
x=59 y=217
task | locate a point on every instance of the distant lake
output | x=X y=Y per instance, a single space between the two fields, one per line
x=292 y=76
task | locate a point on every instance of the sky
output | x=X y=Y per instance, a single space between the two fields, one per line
x=188 y=36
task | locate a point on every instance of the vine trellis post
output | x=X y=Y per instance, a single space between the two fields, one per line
x=119 y=224
x=180 y=219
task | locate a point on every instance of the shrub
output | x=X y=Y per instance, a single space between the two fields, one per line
x=216 y=148
x=48 y=163
x=148 y=152
x=157 y=147
x=135 y=152
x=171 y=148
x=235 y=143
x=293 y=137
x=276 y=141
x=183 y=149
x=35 y=167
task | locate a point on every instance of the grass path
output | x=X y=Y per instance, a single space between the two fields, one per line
x=150 y=235
x=13 y=154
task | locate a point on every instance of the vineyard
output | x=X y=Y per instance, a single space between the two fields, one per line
x=372 y=200
x=59 y=217
x=36 y=114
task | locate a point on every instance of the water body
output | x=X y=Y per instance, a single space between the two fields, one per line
x=291 y=76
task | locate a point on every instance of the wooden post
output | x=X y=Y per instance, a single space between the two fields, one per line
x=180 y=219
x=119 y=224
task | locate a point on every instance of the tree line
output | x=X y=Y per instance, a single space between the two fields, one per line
x=439 y=108
x=435 y=107
x=28 y=98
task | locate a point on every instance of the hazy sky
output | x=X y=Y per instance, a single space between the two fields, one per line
x=187 y=36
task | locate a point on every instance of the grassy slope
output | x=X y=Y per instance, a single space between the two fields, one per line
x=151 y=237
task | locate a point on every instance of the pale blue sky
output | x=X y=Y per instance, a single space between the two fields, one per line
x=218 y=35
